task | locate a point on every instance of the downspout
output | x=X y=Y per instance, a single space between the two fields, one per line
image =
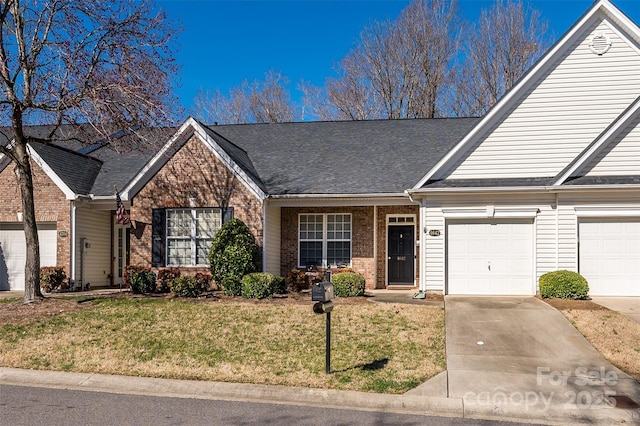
x=73 y=245
x=557 y=230
x=264 y=235
x=375 y=246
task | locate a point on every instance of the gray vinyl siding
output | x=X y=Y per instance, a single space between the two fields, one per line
x=622 y=157
x=272 y=240
x=568 y=107
x=95 y=226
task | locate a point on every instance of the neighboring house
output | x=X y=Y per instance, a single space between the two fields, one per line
x=547 y=180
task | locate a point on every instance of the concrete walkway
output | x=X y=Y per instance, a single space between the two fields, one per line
x=519 y=358
x=629 y=306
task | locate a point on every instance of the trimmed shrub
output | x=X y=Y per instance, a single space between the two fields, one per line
x=348 y=284
x=234 y=252
x=296 y=280
x=232 y=286
x=142 y=281
x=336 y=271
x=128 y=271
x=53 y=278
x=261 y=285
x=563 y=285
x=186 y=287
x=164 y=278
x=204 y=279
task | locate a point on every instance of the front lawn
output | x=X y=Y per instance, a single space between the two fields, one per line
x=375 y=347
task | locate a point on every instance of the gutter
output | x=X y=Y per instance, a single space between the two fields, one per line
x=551 y=189
x=362 y=195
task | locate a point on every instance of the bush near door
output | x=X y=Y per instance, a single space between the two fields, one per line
x=564 y=285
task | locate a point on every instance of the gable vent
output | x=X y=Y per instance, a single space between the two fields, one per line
x=599 y=44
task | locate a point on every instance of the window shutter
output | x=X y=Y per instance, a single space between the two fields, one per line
x=158 y=237
x=227 y=214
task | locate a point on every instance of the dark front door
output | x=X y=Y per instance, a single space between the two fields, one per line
x=400 y=254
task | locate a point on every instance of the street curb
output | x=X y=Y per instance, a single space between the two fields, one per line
x=328 y=398
x=325 y=398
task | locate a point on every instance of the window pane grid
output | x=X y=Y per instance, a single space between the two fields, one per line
x=324 y=239
x=190 y=233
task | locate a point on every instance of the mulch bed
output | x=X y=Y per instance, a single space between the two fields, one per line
x=562 y=304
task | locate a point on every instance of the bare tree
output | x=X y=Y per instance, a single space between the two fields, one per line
x=107 y=64
x=398 y=69
x=262 y=101
x=504 y=43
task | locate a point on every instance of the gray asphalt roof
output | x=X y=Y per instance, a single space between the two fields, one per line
x=489 y=183
x=604 y=180
x=347 y=157
x=119 y=161
x=77 y=171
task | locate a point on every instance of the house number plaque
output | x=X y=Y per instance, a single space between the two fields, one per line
x=434 y=232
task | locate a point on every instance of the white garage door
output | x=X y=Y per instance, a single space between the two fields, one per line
x=490 y=257
x=610 y=256
x=13 y=253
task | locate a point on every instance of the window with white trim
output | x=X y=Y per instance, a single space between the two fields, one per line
x=324 y=239
x=190 y=233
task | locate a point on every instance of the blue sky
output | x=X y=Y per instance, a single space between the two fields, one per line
x=224 y=42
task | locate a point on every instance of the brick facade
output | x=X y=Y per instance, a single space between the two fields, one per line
x=193 y=177
x=362 y=240
x=51 y=206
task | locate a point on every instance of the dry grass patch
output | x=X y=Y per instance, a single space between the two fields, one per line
x=378 y=348
x=614 y=335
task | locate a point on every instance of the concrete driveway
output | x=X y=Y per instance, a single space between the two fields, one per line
x=517 y=356
x=629 y=306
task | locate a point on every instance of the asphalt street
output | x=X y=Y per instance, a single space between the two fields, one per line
x=29 y=406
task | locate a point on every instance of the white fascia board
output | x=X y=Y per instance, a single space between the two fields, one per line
x=69 y=194
x=512 y=95
x=610 y=133
x=228 y=162
x=159 y=160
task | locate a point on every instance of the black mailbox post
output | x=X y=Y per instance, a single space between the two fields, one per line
x=322 y=294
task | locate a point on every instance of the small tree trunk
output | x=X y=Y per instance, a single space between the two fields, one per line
x=32 y=290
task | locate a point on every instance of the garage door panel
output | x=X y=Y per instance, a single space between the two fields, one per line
x=609 y=256
x=13 y=253
x=490 y=257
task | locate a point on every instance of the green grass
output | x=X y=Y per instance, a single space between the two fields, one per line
x=377 y=348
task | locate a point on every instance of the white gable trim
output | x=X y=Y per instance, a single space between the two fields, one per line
x=609 y=134
x=601 y=6
x=221 y=154
x=69 y=194
x=188 y=128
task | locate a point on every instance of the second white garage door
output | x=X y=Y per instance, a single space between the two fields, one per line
x=13 y=253
x=490 y=257
x=610 y=256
